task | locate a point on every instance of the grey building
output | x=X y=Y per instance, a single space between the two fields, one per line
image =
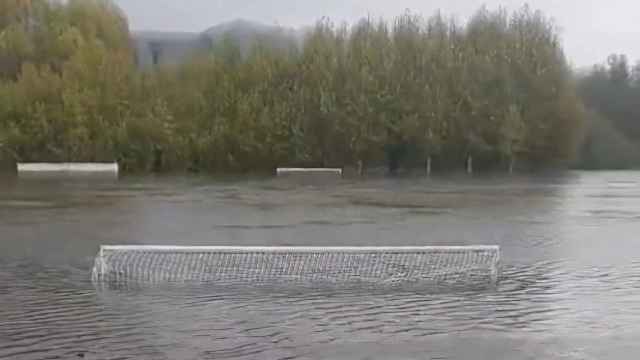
x=169 y=48
x=166 y=48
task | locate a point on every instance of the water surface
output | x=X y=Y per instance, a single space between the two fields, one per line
x=570 y=287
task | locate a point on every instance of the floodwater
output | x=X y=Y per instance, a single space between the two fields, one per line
x=570 y=286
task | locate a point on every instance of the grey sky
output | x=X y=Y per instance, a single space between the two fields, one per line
x=591 y=29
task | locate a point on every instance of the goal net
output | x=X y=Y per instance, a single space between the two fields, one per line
x=390 y=266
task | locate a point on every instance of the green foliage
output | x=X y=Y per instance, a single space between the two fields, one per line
x=497 y=89
x=605 y=147
x=611 y=92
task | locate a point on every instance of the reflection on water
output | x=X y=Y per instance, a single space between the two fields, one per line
x=570 y=285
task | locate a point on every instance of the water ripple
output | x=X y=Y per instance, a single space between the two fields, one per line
x=541 y=297
x=570 y=270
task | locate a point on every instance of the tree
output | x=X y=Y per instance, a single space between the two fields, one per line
x=610 y=93
x=412 y=91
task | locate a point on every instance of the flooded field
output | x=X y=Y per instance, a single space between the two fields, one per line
x=570 y=286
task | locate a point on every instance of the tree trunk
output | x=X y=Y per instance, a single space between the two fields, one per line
x=361 y=168
x=428 y=166
x=469 y=164
x=512 y=164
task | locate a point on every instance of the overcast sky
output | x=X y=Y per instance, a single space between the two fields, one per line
x=591 y=29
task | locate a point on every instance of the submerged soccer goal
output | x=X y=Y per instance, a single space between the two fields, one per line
x=110 y=169
x=376 y=266
x=309 y=171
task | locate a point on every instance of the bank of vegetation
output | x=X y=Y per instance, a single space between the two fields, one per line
x=413 y=92
x=611 y=94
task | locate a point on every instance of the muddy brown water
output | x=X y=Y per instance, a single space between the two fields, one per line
x=570 y=286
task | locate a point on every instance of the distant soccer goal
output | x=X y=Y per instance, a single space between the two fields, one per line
x=309 y=171
x=376 y=266
x=68 y=168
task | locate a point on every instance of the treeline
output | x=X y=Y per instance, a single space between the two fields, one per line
x=496 y=92
x=611 y=93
